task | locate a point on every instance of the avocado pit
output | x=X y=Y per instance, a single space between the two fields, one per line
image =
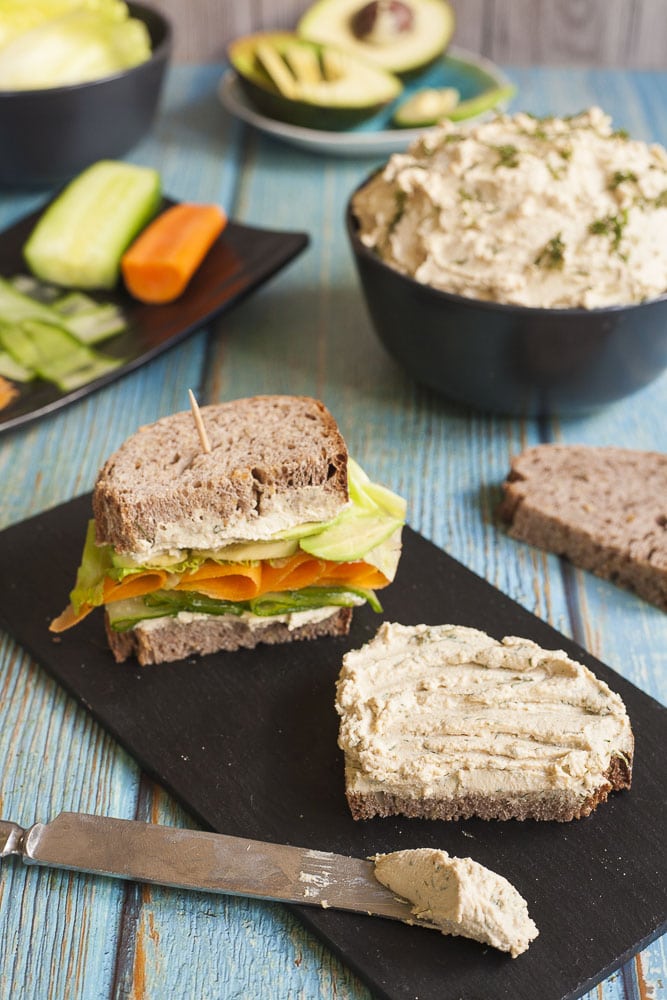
x=379 y=22
x=401 y=36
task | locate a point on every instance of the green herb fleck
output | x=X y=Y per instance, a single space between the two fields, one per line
x=552 y=254
x=612 y=226
x=556 y=172
x=508 y=155
x=661 y=200
x=401 y=198
x=620 y=133
x=620 y=177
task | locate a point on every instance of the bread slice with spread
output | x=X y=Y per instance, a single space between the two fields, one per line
x=444 y=722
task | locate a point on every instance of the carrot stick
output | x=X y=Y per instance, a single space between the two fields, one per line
x=159 y=264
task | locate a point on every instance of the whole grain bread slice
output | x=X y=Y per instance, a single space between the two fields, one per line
x=603 y=508
x=171 y=639
x=275 y=461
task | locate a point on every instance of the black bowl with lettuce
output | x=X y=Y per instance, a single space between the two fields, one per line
x=50 y=132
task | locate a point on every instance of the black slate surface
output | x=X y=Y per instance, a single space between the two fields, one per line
x=240 y=261
x=247 y=742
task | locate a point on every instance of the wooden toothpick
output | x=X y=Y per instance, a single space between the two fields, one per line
x=199 y=423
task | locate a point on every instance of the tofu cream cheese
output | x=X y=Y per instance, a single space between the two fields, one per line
x=552 y=212
x=204 y=530
x=293 y=619
x=447 y=712
x=460 y=896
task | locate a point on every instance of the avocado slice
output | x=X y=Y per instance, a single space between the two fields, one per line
x=401 y=36
x=431 y=106
x=308 y=84
x=350 y=538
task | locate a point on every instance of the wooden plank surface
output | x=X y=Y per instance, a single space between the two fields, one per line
x=70 y=936
x=620 y=33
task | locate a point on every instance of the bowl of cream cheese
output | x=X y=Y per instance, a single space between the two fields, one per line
x=519 y=266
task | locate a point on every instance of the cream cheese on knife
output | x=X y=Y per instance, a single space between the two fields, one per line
x=459 y=895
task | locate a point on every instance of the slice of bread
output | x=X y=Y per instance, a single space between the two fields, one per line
x=444 y=722
x=167 y=639
x=275 y=462
x=603 y=508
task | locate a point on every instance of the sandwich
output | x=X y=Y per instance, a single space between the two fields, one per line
x=273 y=535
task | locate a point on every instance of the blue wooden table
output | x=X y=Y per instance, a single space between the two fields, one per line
x=64 y=935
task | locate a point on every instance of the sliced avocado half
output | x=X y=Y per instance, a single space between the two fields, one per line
x=402 y=36
x=308 y=84
x=431 y=106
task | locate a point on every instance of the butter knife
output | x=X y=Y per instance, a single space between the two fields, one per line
x=210 y=862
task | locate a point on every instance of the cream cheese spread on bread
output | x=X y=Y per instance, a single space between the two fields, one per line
x=205 y=530
x=460 y=896
x=553 y=212
x=445 y=721
x=293 y=620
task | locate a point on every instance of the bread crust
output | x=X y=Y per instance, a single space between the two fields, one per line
x=176 y=640
x=603 y=508
x=279 y=457
x=557 y=806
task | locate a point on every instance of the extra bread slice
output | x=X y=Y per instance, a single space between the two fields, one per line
x=275 y=462
x=444 y=722
x=167 y=639
x=603 y=508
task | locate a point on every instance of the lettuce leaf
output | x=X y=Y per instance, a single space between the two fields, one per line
x=95 y=563
x=57 y=44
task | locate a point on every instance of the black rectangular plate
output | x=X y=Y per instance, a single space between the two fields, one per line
x=247 y=742
x=241 y=260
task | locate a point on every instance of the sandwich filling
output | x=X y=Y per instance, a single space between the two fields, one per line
x=303 y=568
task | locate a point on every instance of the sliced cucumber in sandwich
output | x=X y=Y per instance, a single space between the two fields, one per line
x=125 y=615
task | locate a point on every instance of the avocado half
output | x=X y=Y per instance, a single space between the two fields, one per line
x=309 y=84
x=401 y=36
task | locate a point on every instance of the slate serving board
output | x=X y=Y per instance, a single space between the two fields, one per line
x=240 y=261
x=247 y=742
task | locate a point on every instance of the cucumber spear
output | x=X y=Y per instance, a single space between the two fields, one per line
x=80 y=238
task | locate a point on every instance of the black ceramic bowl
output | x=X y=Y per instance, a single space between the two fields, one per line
x=511 y=359
x=48 y=136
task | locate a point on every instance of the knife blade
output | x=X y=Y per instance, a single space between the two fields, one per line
x=209 y=862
